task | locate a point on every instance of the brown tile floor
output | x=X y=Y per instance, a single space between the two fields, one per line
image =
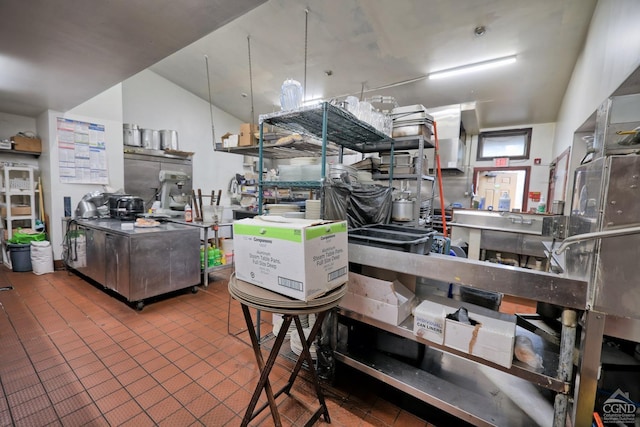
x=71 y=354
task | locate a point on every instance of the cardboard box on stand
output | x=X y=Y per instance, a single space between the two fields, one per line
x=300 y=258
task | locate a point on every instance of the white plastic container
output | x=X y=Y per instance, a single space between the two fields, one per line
x=542 y=205
x=504 y=203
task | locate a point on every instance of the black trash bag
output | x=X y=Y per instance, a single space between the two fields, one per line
x=358 y=204
x=326 y=363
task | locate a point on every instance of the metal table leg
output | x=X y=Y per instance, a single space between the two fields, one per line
x=205 y=269
x=565 y=364
x=306 y=356
x=265 y=369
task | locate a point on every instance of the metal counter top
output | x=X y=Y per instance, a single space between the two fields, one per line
x=535 y=285
x=115 y=226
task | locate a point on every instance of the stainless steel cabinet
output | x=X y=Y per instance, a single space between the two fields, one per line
x=95 y=251
x=139 y=263
x=117 y=259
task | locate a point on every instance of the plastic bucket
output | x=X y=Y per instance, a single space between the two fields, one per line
x=20 y=256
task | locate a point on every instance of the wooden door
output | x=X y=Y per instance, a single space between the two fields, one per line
x=492 y=184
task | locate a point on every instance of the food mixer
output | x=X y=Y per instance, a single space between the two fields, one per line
x=170 y=204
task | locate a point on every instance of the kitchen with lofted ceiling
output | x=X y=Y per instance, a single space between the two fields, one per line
x=463 y=175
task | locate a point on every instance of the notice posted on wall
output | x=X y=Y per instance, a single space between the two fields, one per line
x=82 y=155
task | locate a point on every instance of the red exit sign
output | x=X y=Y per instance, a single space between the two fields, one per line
x=501 y=162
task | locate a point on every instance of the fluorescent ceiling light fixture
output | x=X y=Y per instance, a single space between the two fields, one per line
x=478 y=66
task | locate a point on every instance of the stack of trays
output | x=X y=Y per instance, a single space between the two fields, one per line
x=370 y=164
x=306 y=321
x=402 y=163
x=312 y=209
x=282 y=209
x=337 y=170
x=411 y=120
x=296 y=344
x=264 y=299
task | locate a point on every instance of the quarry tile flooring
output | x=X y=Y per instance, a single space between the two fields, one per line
x=72 y=354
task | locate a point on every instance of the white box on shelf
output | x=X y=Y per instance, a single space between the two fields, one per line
x=428 y=321
x=491 y=337
x=389 y=302
x=299 y=258
x=229 y=140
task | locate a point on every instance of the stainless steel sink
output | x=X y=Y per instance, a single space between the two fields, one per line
x=499 y=221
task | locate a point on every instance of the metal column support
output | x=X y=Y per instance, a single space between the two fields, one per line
x=586 y=385
x=565 y=364
x=260 y=168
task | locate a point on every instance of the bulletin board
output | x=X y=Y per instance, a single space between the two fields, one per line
x=82 y=155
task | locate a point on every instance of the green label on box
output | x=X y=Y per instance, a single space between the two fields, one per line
x=324 y=229
x=289 y=234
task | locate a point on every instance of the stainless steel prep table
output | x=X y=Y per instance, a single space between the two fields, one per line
x=136 y=263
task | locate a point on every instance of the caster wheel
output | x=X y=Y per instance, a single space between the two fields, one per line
x=139 y=305
x=194 y=290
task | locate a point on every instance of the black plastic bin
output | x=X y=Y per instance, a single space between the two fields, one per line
x=394 y=237
x=20 y=256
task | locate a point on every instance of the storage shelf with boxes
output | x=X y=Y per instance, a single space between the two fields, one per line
x=26 y=144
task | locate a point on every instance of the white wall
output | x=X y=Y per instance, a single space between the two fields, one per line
x=104 y=109
x=153 y=102
x=611 y=53
x=11 y=124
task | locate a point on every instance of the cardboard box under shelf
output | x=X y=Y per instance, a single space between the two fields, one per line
x=387 y=301
x=492 y=338
x=21 y=143
x=16 y=210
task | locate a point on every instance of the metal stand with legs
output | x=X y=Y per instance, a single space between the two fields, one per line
x=291 y=310
x=265 y=368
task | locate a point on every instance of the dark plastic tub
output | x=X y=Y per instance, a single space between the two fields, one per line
x=394 y=237
x=20 y=256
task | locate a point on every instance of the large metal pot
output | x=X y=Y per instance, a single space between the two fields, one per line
x=150 y=139
x=131 y=134
x=402 y=210
x=169 y=139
